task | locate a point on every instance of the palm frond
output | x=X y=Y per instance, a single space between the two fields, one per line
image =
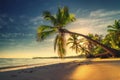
x=110 y=26
x=56 y=42
x=70 y=39
x=58 y=16
x=43 y=35
x=67 y=17
x=72 y=47
x=44 y=28
x=111 y=30
x=47 y=16
x=69 y=43
x=72 y=17
x=63 y=16
x=44 y=31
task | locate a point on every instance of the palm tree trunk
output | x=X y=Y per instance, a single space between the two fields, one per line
x=111 y=51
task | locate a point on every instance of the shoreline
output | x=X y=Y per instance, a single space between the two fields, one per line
x=24 y=66
x=19 y=67
x=103 y=69
x=10 y=68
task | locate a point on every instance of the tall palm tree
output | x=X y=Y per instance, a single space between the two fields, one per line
x=59 y=21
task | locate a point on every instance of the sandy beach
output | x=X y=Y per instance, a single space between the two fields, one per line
x=91 y=69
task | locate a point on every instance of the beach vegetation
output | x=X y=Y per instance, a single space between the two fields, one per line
x=93 y=45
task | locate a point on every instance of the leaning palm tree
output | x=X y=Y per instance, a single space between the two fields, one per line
x=91 y=46
x=59 y=21
x=111 y=51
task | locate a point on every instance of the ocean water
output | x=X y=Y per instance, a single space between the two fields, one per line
x=9 y=62
x=12 y=62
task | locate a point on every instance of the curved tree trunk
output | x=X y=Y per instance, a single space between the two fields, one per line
x=111 y=51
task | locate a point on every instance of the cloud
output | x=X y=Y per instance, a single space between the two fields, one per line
x=6 y=21
x=103 y=13
x=11 y=19
x=82 y=13
x=15 y=24
x=21 y=44
x=1 y=27
x=86 y=25
x=37 y=20
x=96 y=22
x=16 y=35
x=7 y=43
x=3 y=15
x=2 y=21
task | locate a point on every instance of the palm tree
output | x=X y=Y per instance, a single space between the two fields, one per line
x=77 y=43
x=114 y=33
x=59 y=21
x=111 y=51
x=74 y=42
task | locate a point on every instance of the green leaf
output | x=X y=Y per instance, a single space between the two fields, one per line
x=55 y=42
x=43 y=35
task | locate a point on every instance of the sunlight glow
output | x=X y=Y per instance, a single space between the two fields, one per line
x=80 y=72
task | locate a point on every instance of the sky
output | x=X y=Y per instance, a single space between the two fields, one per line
x=19 y=20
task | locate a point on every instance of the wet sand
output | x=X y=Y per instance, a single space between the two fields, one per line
x=74 y=70
x=97 y=71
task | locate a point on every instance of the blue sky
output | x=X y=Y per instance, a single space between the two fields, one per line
x=19 y=20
